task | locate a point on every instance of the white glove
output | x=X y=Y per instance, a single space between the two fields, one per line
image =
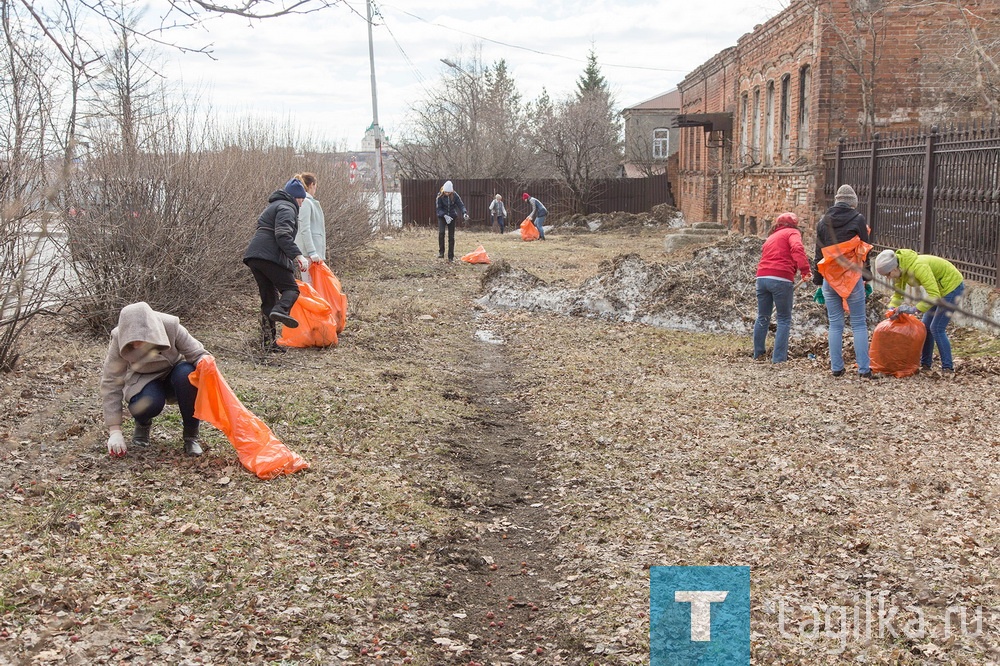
x=466 y=217
x=116 y=445
x=315 y=258
x=302 y=262
x=448 y=219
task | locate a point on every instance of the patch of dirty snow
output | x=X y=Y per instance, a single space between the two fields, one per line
x=715 y=291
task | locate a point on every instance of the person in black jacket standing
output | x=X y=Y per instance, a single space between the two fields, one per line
x=449 y=206
x=271 y=255
x=840 y=224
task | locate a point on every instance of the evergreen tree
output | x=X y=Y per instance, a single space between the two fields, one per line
x=592 y=80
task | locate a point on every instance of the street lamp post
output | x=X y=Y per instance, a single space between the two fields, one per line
x=379 y=169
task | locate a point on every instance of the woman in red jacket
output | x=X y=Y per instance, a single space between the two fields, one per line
x=782 y=254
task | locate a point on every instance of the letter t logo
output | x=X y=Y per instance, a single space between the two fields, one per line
x=701 y=610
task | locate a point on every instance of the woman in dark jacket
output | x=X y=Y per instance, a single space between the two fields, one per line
x=449 y=206
x=844 y=226
x=271 y=255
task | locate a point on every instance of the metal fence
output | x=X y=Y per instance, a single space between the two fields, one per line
x=936 y=192
x=630 y=195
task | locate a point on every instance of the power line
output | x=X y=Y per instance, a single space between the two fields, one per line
x=530 y=50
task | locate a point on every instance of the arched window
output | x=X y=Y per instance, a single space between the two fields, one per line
x=755 y=127
x=805 y=84
x=769 y=123
x=786 y=117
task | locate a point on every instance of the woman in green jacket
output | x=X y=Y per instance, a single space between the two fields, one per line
x=940 y=280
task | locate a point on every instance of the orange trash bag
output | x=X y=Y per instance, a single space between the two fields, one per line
x=317 y=323
x=477 y=256
x=529 y=231
x=329 y=288
x=896 y=346
x=259 y=450
x=841 y=264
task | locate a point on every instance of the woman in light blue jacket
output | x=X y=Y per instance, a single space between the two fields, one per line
x=311 y=237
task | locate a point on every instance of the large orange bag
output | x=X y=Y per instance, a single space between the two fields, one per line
x=317 y=322
x=896 y=346
x=477 y=256
x=529 y=231
x=259 y=450
x=330 y=289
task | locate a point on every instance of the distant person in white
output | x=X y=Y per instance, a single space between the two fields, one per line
x=311 y=238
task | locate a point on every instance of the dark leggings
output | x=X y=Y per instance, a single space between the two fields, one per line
x=271 y=279
x=450 y=229
x=149 y=402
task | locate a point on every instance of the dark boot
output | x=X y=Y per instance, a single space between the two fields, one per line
x=192 y=447
x=269 y=337
x=281 y=311
x=140 y=436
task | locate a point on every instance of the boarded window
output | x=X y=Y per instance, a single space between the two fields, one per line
x=755 y=126
x=804 y=94
x=786 y=117
x=769 y=123
x=744 y=126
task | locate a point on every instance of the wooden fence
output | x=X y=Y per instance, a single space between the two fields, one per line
x=630 y=195
x=936 y=192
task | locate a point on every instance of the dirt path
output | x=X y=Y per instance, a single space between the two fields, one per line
x=498 y=565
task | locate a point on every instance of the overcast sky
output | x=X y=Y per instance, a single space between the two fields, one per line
x=314 y=69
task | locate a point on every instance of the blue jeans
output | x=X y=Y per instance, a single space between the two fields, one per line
x=775 y=294
x=501 y=220
x=936 y=320
x=540 y=225
x=859 y=324
x=150 y=400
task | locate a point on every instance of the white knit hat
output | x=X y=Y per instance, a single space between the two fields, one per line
x=886 y=262
x=448 y=187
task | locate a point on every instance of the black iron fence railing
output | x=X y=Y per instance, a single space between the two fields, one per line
x=935 y=191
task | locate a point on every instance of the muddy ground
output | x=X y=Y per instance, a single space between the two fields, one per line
x=497 y=457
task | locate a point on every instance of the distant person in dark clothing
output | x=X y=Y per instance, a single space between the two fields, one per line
x=449 y=207
x=271 y=256
x=537 y=214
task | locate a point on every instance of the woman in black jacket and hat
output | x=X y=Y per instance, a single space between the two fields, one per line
x=271 y=256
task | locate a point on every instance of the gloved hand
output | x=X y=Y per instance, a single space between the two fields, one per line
x=116 y=444
x=315 y=258
x=448 y=219
x=302 y=263
x=466 y=217
x=868 y=291
x=907 y=309
x=818 y=296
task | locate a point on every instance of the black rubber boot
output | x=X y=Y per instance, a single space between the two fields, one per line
x=140 y=436
x=281 y=311
x=192 y=447
x=269 y=337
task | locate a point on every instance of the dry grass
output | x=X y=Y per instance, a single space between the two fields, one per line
x=457 y=484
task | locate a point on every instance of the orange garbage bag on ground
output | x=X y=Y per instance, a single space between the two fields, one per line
x=529 y=231
x=259 y=450
x=317 y=323
x=330 y=289
x=477 y=256
x=896 y=346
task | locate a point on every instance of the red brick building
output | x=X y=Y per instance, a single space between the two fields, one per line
x=757 y=117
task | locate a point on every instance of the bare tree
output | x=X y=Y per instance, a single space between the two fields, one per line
x=858 y=28
x=472 y=125
x=580 y=139
x=967 y=53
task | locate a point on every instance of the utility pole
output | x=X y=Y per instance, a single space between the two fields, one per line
x=379 y=170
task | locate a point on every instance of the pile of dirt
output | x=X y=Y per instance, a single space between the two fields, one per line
x=660 y=215
x=715 y=290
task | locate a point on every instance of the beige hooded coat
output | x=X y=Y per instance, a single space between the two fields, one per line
x=127 y=370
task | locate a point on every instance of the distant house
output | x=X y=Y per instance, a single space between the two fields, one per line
x=652 y=136
x=757 y=117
